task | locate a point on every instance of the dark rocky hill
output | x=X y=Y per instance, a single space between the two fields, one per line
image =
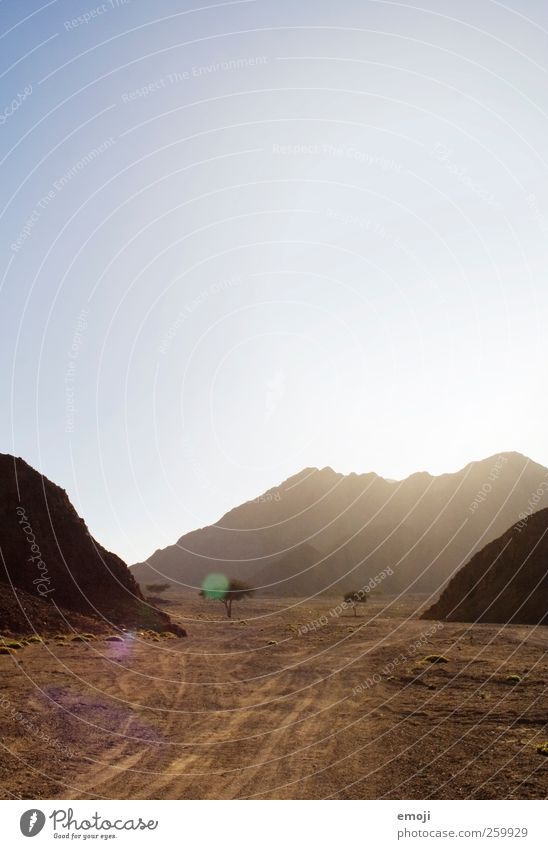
x=507 y=581
x=23 y=613
x=47 y=551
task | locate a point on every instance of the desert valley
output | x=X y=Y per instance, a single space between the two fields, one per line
x=387 y=639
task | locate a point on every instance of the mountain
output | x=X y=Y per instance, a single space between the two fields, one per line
x=301 y=571
x=425 y=528
x=47 y=551
x=23 y=613
x=507 y=581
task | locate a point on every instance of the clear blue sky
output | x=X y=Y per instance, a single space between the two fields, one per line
x=244 y=238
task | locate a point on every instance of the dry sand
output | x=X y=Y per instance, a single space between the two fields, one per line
x=260 y=709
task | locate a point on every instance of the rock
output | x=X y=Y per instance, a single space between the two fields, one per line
x=507 y=581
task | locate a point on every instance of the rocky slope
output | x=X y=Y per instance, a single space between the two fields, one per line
x=23 y=613
x=424 y=527
x=302 y=570
x=47 y=551
x=507 y=581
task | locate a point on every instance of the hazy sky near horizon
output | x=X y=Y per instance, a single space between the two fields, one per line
x=243 y=238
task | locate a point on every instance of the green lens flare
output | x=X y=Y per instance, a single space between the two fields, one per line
x=215 y=586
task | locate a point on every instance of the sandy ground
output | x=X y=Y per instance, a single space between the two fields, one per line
x=264 y=708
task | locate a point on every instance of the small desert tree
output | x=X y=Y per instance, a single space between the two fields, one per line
x=355 y=597
x=236 y=591
x=224 y=589
x=157 y=588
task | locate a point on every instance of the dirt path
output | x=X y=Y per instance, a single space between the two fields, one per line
x=266 y=710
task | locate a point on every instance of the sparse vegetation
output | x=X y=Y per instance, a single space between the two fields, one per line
x=157 y=588
x=355 y=597
x=226 y=590
x=435 y=658
x=12 y=644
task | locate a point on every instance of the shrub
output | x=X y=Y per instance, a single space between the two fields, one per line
x=542 y=749
x=513 y=679
x=12 y=644
x=157 y=588
x=114 y=638
x=435 y=658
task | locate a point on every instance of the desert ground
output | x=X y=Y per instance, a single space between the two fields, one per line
x=289 y=699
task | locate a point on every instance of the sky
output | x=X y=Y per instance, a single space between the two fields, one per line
x=244 y=238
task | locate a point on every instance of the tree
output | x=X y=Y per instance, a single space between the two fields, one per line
x=355 y=597
x=157 y=588
x=224 y=589
x=236 y=591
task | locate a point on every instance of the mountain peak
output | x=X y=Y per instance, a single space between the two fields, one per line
x=311 y=473
x=48 y=552
x=423 y=527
